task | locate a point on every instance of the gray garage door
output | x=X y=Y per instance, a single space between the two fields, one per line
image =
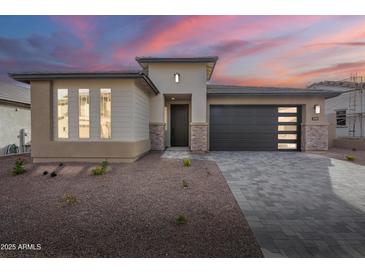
x=238 y=127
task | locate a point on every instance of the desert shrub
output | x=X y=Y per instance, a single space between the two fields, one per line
x=350 y=158
x=100 y=170
x=45 y=172
x=19 y=167
x=181 y=220
x=104 y=164
x=185 y=184
x=70 y=199
x=53 y=174
x=187 y=162
x=353 y=149
x=60 y=164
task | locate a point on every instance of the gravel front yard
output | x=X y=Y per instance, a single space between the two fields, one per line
x=129 y=212
x=341 y=153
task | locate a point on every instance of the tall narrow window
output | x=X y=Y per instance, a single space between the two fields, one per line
x=62 y=113
x=105 y=113
x=84 y=113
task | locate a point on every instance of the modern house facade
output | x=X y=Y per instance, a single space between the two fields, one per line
x=120 y=116
x=15 y=133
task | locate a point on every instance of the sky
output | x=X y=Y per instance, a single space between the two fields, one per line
x=283 y=51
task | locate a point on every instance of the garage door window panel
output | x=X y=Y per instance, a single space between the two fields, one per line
x=287 y=109
x=287 y=128
x=291 y=146
x=287 y=119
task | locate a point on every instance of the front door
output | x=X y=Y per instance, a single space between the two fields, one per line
x=180 y=125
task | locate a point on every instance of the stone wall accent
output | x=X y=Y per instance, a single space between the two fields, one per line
x=199 y=137
x=157 y=136
x=314 y=137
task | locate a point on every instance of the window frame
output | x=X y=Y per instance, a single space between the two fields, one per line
x=344 y=119
x=58 y=137
x=79 y=111
x=100 y=114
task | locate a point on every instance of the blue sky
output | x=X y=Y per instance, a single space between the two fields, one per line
x=252 y=50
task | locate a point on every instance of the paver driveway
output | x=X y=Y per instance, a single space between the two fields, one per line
x=297 y=204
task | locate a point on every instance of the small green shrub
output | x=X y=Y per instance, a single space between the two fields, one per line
x=19 y=167
x=104 y=164
x=70 y=199
x=53 y=174
x=185 y=184
x=45 y=172
x=60 y=164
x=187 y=162
x=181 y=220
x=350 y=158
x=100 y=170
x=354 y=149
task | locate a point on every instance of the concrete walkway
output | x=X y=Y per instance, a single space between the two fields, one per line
x=297 y=204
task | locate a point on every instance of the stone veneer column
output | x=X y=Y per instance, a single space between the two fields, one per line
x=199 y=137
x=157 y=136
x=314 y=137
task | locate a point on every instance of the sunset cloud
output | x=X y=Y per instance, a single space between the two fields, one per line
x=252 y=50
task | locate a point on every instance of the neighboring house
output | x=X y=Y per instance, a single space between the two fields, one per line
x=120 y=116
x=345 y=113
x=14 y=116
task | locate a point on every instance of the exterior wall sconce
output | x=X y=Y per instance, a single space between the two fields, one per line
x=317 y=109
x=177 y=77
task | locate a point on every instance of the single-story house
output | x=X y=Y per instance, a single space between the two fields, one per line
x=14 y=118
x=120 y=116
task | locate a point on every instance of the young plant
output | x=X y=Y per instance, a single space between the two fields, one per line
x=185 y=184
x=45 y=172
x=181 y=220
x=19 y=167
x=53 y=174
x=187 y=162
x=70 y=199
x=104 y=164
x=60 y=164
x=100 y=170
x=350 y=158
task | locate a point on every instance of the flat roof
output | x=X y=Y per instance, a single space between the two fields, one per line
x=27 y=77
x=14 y=93
x=209 y=60
x=249 y=90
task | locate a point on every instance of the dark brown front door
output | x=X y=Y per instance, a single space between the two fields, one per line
x=180 y=125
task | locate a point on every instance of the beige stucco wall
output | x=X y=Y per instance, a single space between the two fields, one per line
x=192 y=81
x=45 y=146
x=306 y=102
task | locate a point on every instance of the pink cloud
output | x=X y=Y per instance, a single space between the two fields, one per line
x=83 y=27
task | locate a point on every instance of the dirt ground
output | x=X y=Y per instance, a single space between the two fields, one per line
x=341 y=153
x=129 y=212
